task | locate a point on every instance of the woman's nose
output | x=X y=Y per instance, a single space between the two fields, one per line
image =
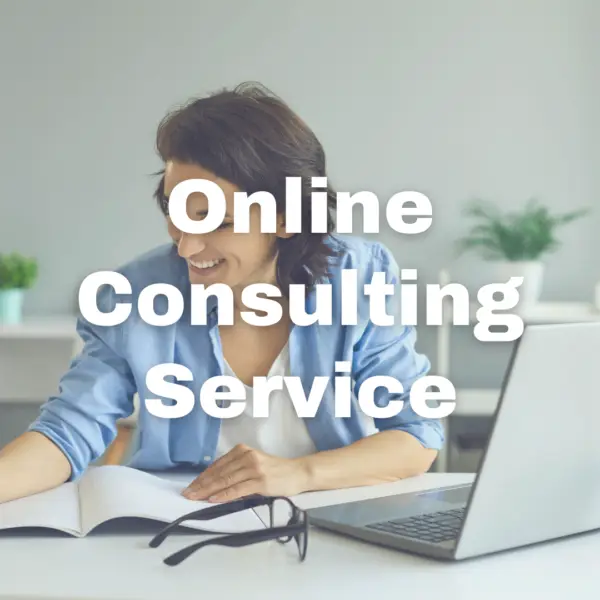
x=190 y=245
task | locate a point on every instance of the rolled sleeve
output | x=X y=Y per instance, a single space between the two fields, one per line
x=390 y=351
x=95 y=392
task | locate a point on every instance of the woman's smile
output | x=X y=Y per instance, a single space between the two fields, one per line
x=205 y=268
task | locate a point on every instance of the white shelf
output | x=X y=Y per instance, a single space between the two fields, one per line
x=561 y=312
x=61 y=327
x=475 y=402
x=34 y=330
x=542 y=312
x=50 y=328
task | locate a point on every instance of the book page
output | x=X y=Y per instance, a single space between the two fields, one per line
x=54 y=509
x=112 y=492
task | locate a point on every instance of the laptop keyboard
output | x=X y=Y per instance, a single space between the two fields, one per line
x=433 y=527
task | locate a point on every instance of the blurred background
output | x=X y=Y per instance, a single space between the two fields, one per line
x=470 y=99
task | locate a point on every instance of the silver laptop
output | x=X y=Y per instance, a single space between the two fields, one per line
x=539 y=478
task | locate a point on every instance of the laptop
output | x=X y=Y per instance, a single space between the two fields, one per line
x=538 y=479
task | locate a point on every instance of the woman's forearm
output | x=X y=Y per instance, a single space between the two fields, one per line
x=380 y=458
x=31 y=464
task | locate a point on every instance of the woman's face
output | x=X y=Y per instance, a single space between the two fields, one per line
x=221 y=256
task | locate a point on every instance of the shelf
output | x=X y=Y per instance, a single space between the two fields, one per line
x=473 y=402
x=50 y=328
x=544 y=312
x=561 y=312
x=17 y=388
x=25 y=401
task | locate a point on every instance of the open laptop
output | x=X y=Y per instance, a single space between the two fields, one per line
x=539 y=478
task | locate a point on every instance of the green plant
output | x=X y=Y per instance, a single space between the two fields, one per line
x=523 y=235
x=17 y=271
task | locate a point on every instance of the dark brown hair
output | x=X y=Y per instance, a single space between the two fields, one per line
x=251 y=138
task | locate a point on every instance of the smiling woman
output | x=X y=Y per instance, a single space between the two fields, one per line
x=242 y=140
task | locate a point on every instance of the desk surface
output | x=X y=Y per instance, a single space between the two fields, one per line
x=121 y=566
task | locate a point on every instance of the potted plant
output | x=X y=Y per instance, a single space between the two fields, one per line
x=514 y=243
x=17 y=274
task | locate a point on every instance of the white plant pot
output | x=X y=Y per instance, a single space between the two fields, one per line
x=532 y=273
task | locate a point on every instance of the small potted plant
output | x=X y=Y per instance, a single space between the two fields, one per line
x=514 y=243
x=17 y=274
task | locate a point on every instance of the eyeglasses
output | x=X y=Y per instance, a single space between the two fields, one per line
x=296 y=527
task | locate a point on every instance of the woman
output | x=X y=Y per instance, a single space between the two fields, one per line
x=243 y=140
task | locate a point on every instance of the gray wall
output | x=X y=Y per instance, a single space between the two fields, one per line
x=493 y=98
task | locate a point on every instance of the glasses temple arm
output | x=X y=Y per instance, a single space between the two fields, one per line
x=210 y=512
x=235 y=540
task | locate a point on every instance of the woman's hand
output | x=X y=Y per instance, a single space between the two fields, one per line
x=244 y=471
x=380 y=458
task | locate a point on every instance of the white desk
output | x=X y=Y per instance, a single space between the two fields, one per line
x=123 y=567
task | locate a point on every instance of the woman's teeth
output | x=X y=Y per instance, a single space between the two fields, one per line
x=205 y=264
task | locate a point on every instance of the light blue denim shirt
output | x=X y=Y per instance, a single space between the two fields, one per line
x=100 y=384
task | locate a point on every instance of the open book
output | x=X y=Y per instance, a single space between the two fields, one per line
x=106 y=493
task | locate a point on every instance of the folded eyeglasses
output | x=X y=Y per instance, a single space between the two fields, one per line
x=296 y=527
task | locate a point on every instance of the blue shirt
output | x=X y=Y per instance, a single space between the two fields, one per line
x=100 y=384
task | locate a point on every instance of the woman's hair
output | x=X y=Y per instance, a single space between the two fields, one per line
x=251 y=138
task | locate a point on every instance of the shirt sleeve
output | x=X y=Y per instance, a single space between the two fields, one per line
x=389 y=350
x=93 y=394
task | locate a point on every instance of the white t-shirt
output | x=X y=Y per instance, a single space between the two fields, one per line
x=283 y=433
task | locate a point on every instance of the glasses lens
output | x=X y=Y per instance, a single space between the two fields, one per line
x=282 y=513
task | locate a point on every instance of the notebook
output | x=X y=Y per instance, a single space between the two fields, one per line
x=106 y=493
